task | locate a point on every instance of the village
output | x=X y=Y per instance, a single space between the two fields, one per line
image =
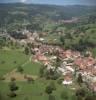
x=72 y=62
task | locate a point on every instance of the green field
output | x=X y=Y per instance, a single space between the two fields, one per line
x=10 y=59
x=32 y=68
x=35 y=91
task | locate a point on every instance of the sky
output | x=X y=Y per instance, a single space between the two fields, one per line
x=55 y=2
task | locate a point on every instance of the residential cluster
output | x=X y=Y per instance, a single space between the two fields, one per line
x=72 y=63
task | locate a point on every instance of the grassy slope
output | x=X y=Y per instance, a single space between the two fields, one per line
x=32 y=68
x=9 y=57
x=34 y=91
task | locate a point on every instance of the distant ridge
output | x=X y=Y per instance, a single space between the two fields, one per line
x=19 y=3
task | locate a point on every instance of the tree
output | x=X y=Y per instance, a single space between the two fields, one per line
x=20 y=69
x=13 y=87
x=52 y=85
x=60 y=80
x=79 y=79
x=80 y=93
x=27 y=50
x=51 y=74
x=58 y=61
x=49 y=89
x=2 y=42
x=62 y=40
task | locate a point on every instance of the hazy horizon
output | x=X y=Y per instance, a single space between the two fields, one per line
x=53 y=2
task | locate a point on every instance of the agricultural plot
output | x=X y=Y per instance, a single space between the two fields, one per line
x=32 y=68
x=10 y=59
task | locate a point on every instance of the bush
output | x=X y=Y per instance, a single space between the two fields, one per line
x=13 y=86
x=59 y=81
x=20 y=69
x=50 y=74
x=80 y=79
x=81 y=92
x=27 y=50
x=48 y=90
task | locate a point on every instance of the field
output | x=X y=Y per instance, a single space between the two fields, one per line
x=10 y=59
x=32 y=68
x=35 y=91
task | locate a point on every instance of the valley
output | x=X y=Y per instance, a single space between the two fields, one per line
x=47 y=52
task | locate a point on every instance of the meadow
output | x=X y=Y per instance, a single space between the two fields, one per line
x=10 y=59
x=36 y=91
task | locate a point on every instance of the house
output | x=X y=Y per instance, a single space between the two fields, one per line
x=41 y=39
x=23 y=42
x=85 y=63
x=76 y=54
x=35 y=50
x=67 y=79
x=69 y=68
x=35 y=35
x=62 y=70
x=68 y=54
x=41 y=57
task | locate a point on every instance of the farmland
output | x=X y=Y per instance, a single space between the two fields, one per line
x=10 y=59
